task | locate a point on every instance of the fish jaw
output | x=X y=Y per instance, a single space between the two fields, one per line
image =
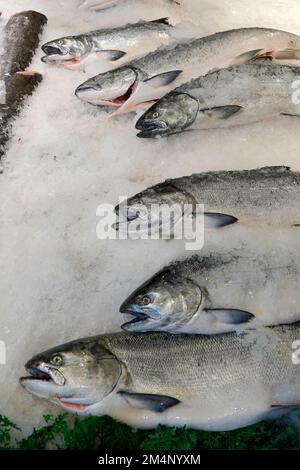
x=141 y=322
x=148 y=129
x=45 y=385
x=40 y=382
x=108 y=89
x=66 y=61
x=144 y=318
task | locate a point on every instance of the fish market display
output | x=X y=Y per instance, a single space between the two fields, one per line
x=109 y=44
x=264 y=196
x=21 y=38
x=205 y=382
x=219 y=292
x=142 y=81
x=232 y=96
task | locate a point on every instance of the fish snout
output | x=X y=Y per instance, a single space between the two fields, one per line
x=88 y=92
x=149 y=128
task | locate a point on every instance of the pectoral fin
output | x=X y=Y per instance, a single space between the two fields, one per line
x=112 y=55
x=146 y=401
x=163 y=79
x=214 y=220
x=221 y=112
x=231 y=316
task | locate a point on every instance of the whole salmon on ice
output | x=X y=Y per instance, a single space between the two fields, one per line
x=110 y=45
x=215 y=383
x=144 y=81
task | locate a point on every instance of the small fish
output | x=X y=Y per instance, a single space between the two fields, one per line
x=144 y=81
x=218 y=292
x=215 y=383
x=264 y=196
x=237 y=95
x=109 y=44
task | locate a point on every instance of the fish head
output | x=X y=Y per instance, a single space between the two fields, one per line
x=149 y=206
x=171 y=114
x=164 y=303
x=76 y=376
x=64 y=50
x=111 y=88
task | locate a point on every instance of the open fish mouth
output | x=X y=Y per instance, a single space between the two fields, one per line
x=138 y=317
x=126 y=212
x=56 y=55
x=37 y=374
x=51 y=50
x=51 y=386
x=150 y=128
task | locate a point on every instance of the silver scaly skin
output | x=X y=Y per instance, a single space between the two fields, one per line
x=214 y=383
x=263 y=196
x=112 y=45
x=219 y=292
x=142 y=81
x=237 y=95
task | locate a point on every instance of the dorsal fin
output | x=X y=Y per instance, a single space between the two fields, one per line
x=162 y=21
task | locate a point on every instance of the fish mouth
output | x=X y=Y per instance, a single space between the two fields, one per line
x=37 y=374
x=44 y=385
x=51 y=50
x=126 y=212
x=138 y=317
x=56 y=55
x=150 y=128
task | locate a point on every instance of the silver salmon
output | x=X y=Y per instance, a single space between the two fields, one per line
x=269 y=196
x=145 y=80
x=219 y=292
x=112 y=45
x=237 y=95
x=215 y=383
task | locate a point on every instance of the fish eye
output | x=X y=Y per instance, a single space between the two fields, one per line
x=155 y=115
x=146 y=300
x=56 y=360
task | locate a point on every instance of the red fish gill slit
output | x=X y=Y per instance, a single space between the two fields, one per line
x=73 y=406
x=265 y=55
x=121 y=99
